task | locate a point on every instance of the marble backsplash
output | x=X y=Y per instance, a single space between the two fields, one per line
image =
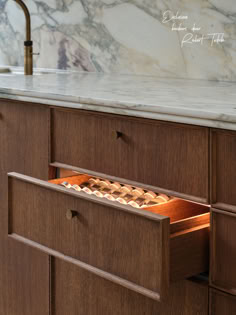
x=152 y=37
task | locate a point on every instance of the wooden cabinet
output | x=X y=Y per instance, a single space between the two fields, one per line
x=223 y=169
x=109 y=259
x=77 y=292
x=223 y=250
x=24 y=272
x=143 y=248
x=24 y=138
x=222 y=303
x=3 y=243
x=165 y=155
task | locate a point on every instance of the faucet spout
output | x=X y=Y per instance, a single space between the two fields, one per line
x=27 y=18
x=28 y=58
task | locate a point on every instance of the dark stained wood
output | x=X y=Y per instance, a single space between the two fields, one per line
x=154 y=153
x=164 y=155
x=28 y=280
x=57 y=165
x=93 y=270
x=223 y=161
x=24 y=138
x=178 y=210
x=129 y=243
x=79 y=292
x=24 y=272
x=222 y=303
x=3 y=244
x=107 y=238
x=223 y=250
x=189 y=252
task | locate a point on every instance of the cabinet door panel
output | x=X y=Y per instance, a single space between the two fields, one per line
x=223 y=250
x=221 y=303
x=24 y=272
x=224 y=170
x=24 y=138
x=78 y=292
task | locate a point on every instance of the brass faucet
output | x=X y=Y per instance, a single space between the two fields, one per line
x=28 y=58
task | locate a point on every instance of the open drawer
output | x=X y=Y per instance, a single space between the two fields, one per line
x=141 y=249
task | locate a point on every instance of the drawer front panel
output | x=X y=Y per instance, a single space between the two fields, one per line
x=222 y=303
x=150 y=152
x=223 y=250
x=78 y=292
x=224 y=169
x=123 y=243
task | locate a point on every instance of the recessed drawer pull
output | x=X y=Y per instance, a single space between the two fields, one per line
x=116 y=134
x=70 y=214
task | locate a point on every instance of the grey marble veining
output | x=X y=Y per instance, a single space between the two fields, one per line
x=198 y=102
x=124 y=36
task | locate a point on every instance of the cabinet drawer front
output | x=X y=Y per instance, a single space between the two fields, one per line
x=223 y=250
x=154 y=153
x=78 y=292
x=104 y=235
x=224 y=169
x=129 y=246
x=222 y=303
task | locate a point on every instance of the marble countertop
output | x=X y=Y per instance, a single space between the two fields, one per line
x=204 y=103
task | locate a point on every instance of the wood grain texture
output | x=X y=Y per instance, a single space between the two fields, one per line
x=164 y=155
x=189 y=253
x=221 y=303
x=223 y=163
x=223 y=251
x=24 y=272
x=129 y=243
x=143 y=154
x=104 y=237
x=28 y=280
x=24 y=138
x=77 y=292
x=3 y=244
x=57 y=165
x=103 y=274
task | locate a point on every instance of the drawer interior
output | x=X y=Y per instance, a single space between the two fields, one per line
x=183 y=214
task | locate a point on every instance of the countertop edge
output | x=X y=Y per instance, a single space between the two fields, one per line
x=164 y=113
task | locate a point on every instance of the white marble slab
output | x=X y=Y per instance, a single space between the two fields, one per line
x=125 y=36
x=198 y=102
